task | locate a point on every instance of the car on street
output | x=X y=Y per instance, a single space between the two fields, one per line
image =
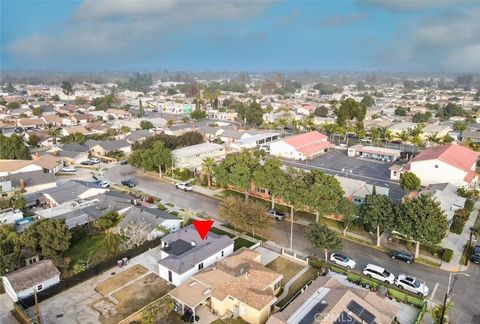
x=185 y=186
x=379 y=273
x=475 y=257
x=87 y=162
x=342 y=260
x=129 y=183
x=411 y=284
x=123 y=162
x=68 y=169
x=278 y=215
x=103 y=184
x=402 y=255
x=95 y=160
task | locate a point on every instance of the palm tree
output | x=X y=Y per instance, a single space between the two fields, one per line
x=54 y=132
x=404 y=137
x=375 y=132
x=434 y=138
x=387 y=135
x=207 y=167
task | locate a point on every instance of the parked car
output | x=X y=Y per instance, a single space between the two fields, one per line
x=103 y=184
x=87 y=162
x=189 y=318
x=379 y=273
x=342 y=260
x=475 y=257
x=95 y=160
x=123 y=162
x=129 y=183
x=68 y=169
x=411 y=284
x=402 y=255
x=185 y=186
x=278 y=215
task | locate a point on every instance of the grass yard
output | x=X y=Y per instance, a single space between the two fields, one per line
x=221 y=232
x=241 y=242
x=92 y=247
x=298 y=284
x=120 y=279
x=286 y=267
x=137 y=295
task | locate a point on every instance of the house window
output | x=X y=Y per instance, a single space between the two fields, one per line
x=39 y=287
x=200 y=266
x=169 y=275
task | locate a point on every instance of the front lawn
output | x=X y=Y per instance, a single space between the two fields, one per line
x=241 y=242
x=221 y=232
x=286 y=267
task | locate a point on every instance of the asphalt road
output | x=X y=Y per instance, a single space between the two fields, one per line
x=464 y=293
x=338 y=163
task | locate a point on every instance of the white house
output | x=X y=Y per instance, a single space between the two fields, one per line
x=449 y=163
x=301 y=147
x=184 y=253
x=191 y=157
x=37 y=276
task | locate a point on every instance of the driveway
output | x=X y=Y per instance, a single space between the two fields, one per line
x=338 y=163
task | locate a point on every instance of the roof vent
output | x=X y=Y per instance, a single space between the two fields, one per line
x=193 y=243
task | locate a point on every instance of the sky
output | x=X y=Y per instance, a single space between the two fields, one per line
x=150 y=35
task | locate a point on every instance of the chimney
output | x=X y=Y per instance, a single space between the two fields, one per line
x=193 y=243
x=36 y=156
x=21 y=184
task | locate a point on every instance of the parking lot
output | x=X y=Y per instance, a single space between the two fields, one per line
x=337 y=162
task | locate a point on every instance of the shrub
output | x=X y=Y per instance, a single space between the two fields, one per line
x=161 y=207
x=158 y=310
x=468 y=193
x=462 y=213
x=457 y=224
x=316 y=263
x=183 y=174
x=469 y=204
x=447 y=255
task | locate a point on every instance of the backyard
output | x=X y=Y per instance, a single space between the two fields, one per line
x=310 y=274
x=241 y=242
x=88 y=248
x=286 y=267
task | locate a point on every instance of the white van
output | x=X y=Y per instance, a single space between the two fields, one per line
x=379 y=273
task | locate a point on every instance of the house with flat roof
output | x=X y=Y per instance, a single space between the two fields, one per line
x=327 y=300
x=24 y=282
x=238 y=286
x=184 y=253
x=191 y=157
x=398 y=128
x=446 y=194
x=255 y=141
x=301 y=147
x=374 y=153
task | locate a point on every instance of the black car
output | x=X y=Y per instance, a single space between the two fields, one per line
x=475 y=258
x=129 y=183
x=189 y=318
x=402 y=255
x=124 y=162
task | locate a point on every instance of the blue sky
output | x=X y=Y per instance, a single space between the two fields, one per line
x=339 y=35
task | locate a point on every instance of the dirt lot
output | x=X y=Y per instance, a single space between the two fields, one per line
x=133 y=297
x=120 y=279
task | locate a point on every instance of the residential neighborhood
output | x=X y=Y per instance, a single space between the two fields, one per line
x=168 y=184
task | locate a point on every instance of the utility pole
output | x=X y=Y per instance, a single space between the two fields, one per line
x=447 y=294
x=37 y=307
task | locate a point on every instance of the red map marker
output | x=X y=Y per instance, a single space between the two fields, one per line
x=202 y=227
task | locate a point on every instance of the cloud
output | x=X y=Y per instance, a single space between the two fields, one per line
x=448 y=40
x=410 y=5
x=342 y=20
x=103 y=30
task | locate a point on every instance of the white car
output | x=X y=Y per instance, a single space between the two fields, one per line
x=94 y=160
x=186 y=186
x=68 y=169
x=103 y=184
x=411 y=284
x=379 y=273
x=342 y=260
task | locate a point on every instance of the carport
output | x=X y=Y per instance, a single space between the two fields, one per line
x=189 y=295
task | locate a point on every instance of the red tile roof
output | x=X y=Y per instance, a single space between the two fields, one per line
x=303 y=140
x=458 y=156
x=312 y=150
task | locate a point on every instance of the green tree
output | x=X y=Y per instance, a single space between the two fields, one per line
x=124 y=129
x=13 y=148
x=54 y=132
x=157 y=158
x=423 y=220
x=37 y=111
x=378 y=213
x=208 y=164
x=141 y=111
x=13 y=105
x=409 y=181
x=434 y=138
x=198 y=114
x=107 y=221
x=255 y=216
x=400 y=111
x=404 y=137
x=67 y=88
x=459 y=126
x=51 y=237
x=447 y=139
x=55 y=98
x=321 y=111
x=368 y=101
x=229 y=211
x=79 y=101
x=349 y=213
x=145 y=124
x=267 y=176
x=10 y=249
x=237 y=169
x=323 y=238
x=112 y=243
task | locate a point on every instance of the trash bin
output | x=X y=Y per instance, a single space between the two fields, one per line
x=119 y=263
x=125 y=261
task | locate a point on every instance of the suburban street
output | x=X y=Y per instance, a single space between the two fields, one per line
x=464 y=292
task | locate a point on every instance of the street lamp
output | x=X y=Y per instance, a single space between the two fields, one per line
x=447 y=294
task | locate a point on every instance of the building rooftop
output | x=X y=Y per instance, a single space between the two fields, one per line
x=32 y=275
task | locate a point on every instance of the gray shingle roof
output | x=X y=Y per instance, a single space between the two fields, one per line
x=32 y=275
x=108 y=145
x=151 y=217
x=182 y=262
x=32 y=178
